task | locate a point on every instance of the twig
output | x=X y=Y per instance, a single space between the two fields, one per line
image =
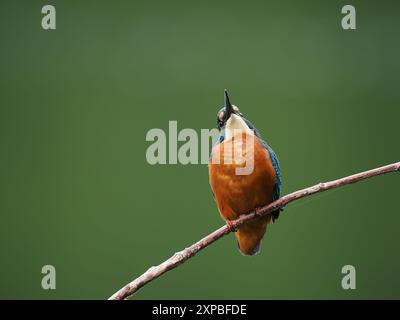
x=181 y=256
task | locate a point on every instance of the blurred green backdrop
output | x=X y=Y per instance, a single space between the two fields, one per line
x=77 y=102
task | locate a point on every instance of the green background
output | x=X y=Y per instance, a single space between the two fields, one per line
x=76 y=104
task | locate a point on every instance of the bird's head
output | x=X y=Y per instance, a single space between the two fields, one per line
x=230 y=120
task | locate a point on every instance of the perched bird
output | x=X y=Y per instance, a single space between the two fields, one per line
x=237 y=194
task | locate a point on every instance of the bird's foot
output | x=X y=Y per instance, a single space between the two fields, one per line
x=258 y=211
x=230 y=226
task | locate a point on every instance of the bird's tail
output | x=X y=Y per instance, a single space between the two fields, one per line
x=249 y=236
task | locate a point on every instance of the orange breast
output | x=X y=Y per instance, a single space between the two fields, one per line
x=239 y=194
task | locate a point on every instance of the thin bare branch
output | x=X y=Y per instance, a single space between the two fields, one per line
x=180 y=257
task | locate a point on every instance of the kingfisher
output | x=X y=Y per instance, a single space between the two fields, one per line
x=240 y=193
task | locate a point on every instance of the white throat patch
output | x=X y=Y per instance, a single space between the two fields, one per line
x=236 y=125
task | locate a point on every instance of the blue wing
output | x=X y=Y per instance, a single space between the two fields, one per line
x=275 y=164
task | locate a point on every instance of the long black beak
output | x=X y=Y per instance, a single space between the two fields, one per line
x=227 y=105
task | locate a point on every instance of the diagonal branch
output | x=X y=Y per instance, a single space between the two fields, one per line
x=181 y=256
